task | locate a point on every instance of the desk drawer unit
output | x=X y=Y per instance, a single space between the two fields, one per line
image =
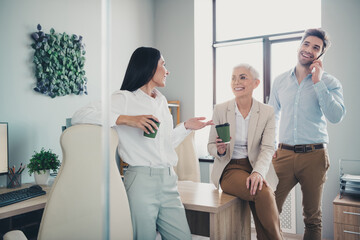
x=346 y=218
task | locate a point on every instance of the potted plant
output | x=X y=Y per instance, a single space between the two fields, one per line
x=41 y=163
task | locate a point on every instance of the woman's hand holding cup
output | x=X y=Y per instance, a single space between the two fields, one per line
x=221 y=146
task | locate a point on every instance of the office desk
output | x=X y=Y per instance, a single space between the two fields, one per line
x=346 y=217
x=209 y=212
x=25 y=216
x=214 y=214
x=24 y=206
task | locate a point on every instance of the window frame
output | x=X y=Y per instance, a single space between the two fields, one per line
x=267 y=41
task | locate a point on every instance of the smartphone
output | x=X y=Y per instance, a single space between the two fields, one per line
x=313 y=70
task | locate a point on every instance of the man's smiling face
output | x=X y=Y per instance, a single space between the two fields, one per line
x=310 y=49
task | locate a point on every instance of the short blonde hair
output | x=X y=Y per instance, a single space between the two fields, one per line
x=253 y=71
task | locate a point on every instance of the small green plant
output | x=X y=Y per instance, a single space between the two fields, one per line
x=59 y=63
x=42 y=161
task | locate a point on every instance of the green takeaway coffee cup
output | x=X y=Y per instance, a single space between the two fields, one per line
x=152 y=134
x=223 y=131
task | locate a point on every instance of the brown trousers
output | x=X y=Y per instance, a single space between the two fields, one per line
x=262 y=204
x=308 y=169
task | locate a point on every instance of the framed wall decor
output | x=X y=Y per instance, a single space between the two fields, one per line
x=59 y=61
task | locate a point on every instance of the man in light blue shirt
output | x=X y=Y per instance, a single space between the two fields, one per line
x=303 y=98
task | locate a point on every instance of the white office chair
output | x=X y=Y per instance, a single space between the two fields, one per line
x=75 y=207
x=187 y=168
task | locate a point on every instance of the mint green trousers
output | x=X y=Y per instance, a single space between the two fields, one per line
x=155 y=204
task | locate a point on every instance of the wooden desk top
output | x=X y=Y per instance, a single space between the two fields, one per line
x=195 y=196
x=204 y=197
x=29 y=205
x=347 y=200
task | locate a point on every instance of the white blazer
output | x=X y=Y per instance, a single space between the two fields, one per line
x=261 y=140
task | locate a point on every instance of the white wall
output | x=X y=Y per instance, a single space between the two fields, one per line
x=174 y=37
x=35 y=120
x=132 y=27
x=179 y=27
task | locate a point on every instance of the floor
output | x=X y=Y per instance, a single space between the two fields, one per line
x=287 y=236
x=253 y=237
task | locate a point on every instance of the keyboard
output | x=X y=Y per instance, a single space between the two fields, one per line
x=20 y=195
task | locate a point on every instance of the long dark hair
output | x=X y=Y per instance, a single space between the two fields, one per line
x=141 y=68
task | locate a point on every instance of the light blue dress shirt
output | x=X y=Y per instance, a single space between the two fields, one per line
x=304 y=107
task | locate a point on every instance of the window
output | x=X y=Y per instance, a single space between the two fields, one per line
x=231 y=56
x=264 y=34
x=283 y=50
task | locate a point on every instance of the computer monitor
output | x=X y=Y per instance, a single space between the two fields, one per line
x=4 y=148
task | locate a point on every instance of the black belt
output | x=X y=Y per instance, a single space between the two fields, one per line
x=239 y=161
x=302 y=148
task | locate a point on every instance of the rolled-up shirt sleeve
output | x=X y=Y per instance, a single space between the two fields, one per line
x=89 y=114
x=118 y=106
x=179 y=134
x=331 y=99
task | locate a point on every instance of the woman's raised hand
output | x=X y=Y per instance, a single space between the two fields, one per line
x=221 y=146
x=196 y=123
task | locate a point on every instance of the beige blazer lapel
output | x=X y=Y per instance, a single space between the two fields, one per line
x=231 y=120
x=254 y=117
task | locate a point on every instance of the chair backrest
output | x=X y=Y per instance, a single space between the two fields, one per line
x=75 y=207
x=187 y=168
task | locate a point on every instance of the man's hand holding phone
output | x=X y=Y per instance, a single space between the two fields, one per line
x=316 y=70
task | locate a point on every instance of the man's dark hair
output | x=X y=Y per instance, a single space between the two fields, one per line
x=141 y=68
x=317 y=32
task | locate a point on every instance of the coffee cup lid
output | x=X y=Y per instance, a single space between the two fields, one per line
x=222 y=125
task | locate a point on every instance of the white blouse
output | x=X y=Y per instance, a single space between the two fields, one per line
x=241 y=137
x=134 y=148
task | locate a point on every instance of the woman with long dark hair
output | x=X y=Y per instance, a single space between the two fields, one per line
x=150 y=180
